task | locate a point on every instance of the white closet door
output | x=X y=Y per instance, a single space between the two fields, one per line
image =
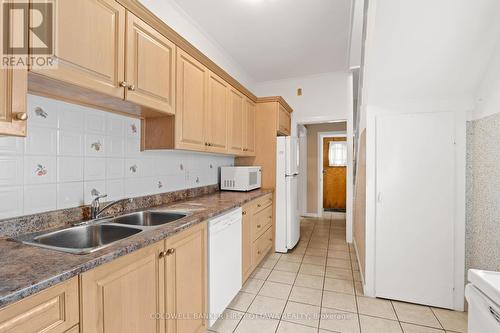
x=415 y=211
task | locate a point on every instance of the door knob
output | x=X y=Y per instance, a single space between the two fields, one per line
x=23 y=116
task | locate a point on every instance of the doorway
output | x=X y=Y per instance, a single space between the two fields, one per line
x=334 y=174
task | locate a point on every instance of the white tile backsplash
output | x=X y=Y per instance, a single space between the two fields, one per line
x=95 y=168
x=39 y=198
x=69 y=195
x=11 y=170
x=41 y=141
x=71 y=149
x=69 y=169
x=11 y=201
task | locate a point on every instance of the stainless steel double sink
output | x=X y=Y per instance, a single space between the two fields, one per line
x=91 y=236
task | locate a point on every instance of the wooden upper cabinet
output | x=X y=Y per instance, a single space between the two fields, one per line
x=250 y=113
x=54 y=310
x=217 y=114
x=123 y=295
x=150 y=67
x=283 y=121
x=13 y=90
x=186 y=280
x=192 y=81
x=236 y=121
x=89 y=45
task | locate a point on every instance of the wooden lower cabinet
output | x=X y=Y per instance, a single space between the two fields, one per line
x=257 y=232
x=246 y=241
x=124 y=295
x=161 y=288
x=186 y=280
x=54 y=310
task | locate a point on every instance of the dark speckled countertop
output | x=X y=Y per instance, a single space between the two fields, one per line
x=26 y=270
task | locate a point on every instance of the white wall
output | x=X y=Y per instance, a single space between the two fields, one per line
x=488 y=93
x=70 y=150
x=177 y=19
x=325 y=97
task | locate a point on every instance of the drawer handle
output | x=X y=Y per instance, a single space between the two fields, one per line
x=258 y=225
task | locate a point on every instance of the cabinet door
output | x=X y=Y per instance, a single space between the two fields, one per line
x=284 y=121
x=186 y=280
x=246 y=242
x=54 y=310
x=89 y=45
x=124 y=295
x=236 y=121
x=150 y=69
x=13 y=90
x=250 y=109
x=192 y=78
x=217 y=115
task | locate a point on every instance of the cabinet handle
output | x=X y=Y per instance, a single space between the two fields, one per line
x=259 y=205
x=23 y=116
x=206 y=143
x=258 y=252
x=131 y=87
x=244 y=213
x=270 y=217
x=170 y=252
x=123 y=84
x=258 y=226
x=163 y=254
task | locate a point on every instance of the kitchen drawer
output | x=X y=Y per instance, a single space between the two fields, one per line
x=262 y=202
x=54 y=310
x=262 y=246
x=261 y=221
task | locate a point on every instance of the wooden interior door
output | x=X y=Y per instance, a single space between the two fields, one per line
x=334 y=180
x=123 y=295
x=192 y=79
x=236 y=121
x=89 y=45
x=150 y=70
x=250 y=113
x=186 y=280
x=218 y=114
x=13 y=90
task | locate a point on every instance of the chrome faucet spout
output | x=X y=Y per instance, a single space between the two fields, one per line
x=96 y=211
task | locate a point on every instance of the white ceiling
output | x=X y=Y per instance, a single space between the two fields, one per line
x=277 y=39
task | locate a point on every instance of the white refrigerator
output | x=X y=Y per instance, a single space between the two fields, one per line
x=287 y=212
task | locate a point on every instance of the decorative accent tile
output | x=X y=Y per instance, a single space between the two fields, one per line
x=39 y=170
x=42 y=112
x=95 y=145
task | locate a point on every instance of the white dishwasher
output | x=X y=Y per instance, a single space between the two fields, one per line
x=224 y=261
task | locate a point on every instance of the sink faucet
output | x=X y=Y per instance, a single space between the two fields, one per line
x=95 y=210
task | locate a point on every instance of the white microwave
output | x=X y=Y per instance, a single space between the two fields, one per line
x=240 y=178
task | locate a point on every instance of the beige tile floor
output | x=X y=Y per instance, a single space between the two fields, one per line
x=317 y=288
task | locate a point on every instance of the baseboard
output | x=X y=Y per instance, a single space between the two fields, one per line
x=310 y=215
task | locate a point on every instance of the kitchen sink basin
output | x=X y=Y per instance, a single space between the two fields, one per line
x=148 y=218
x=83 y=239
